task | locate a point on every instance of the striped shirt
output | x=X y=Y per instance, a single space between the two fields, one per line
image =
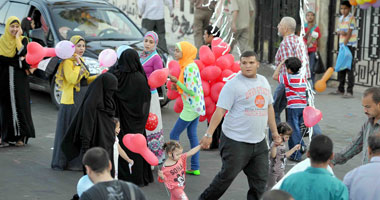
x=291 y=47
x=346 y=23
x=295 y=90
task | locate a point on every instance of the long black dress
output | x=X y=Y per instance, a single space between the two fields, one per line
x=132 y=108
x=93 y=125
x=16 y=122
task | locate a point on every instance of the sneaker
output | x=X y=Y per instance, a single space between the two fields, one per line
x=193 y=172
x=336 y=93
x=348 y=96
x=294 y=160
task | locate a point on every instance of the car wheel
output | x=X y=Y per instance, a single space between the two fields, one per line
x=55 y=94
x=162 y=96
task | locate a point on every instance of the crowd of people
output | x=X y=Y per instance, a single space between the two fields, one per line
x=96 y=112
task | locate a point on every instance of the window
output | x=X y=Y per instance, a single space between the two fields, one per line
x=17 y=9
x=4 y=5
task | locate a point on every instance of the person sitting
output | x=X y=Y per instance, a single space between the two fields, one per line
x=316 y=182
x=363 y=182
x=98 y=167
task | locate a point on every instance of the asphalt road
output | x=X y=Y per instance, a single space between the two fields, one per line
x=25 y=172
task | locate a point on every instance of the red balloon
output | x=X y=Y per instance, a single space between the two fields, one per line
x=209 y=118
x=208 y=101
x=221 y=49
x=311 y=116
x=206 y=55
x=200 y=65
x=206 y=88
x=225 y=61
x=202 y=118
x=210 y=73
x=174 y=68
x=178 y=105
x=158 y=78
x=36 y=53
x=152 y=122
x=172 y=94
x=137 y=144
x=236 y=66
x=210 y=109
x=215 y=41
x=215 y=91
x=225 y=73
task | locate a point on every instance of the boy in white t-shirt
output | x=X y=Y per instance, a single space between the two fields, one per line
x=248 y=99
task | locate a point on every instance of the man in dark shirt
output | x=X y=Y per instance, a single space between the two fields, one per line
x=98 y=167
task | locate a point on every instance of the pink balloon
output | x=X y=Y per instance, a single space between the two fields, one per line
x=210 y=73
x=365 y=5
x=215 y=91
x=178 y=105
x=152 y=122
x=137 y=144
x=64 y=49
x=36 y=53
x=158 y=78
x=221 y=49
x=107 y=58
x=225 y=61
x=206 y=55
x=311 y=116
x=174 y=68
x=171 y=94
x=377 y=4
x=206 y=88
x=236 y=66
x=200 y=65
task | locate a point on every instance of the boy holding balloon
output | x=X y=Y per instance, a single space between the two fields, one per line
x=295 y=89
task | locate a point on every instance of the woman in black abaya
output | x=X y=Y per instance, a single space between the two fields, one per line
x=93 y=125
x=16 y=124
x=132 y=108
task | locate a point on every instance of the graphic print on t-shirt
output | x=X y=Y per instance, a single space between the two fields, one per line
x=180 y=179
x=257 y=96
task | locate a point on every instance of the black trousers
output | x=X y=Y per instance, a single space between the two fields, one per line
x=350 y=74
x=238 y=156
x=157 y=26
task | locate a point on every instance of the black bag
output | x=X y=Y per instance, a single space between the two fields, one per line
x=319 y=67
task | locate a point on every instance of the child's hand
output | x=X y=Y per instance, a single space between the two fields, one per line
x=297 y=147
x=130 y=161
x=173 y=79
x=160 y=174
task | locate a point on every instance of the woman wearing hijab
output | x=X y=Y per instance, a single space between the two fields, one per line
x=151 y=61
x=72 y=79
x=93 y=124
x=132 y=108
x=16 y=124
x=189 y=86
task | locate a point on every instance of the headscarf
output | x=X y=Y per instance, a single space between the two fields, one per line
x=76 y=38
x=8 y=41
x=121 y=49
x=92 y=124
x=189 y=53
x=146 y=55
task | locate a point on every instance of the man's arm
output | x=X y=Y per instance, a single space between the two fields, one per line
x=169 y=4
x=234 y=19
x=354 y=148
x=347 y=36
x=272 y=125
x=215 y=120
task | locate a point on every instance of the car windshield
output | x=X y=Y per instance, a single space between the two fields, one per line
x=94 y=24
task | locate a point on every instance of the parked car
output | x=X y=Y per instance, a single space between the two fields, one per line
x=100 y=23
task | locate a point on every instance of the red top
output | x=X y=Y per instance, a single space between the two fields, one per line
x=175 y=174
x=312 y=47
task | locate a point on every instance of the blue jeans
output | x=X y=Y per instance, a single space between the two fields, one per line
x=191 y=126
x=295 y=119
x=279 y=105
x=311 y=66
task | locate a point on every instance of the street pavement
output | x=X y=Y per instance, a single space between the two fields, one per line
x=25 y=172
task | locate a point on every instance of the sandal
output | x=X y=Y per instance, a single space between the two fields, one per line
x=19 y=143
x=4 y=144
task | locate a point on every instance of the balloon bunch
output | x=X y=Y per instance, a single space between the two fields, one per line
x=364 y=4
x=215 y=66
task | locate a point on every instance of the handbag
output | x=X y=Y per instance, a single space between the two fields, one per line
x=319 y=67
